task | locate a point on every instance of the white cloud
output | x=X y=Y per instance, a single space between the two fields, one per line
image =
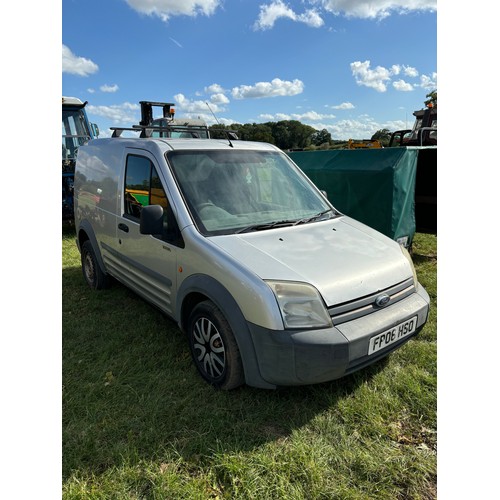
x=410 y=71
x=165 y=9
x=364 y=9
x=311 y=116
x=124 y=114
x=274 y=88
x=193 y=109
x=276 y=117
x=215 y=88
x=344 y=105
x=266 y=117
x=373 y=78
x=394 y=125
x=220 y=119
x=374 y=9
x=380 y=77
x=219 y=99
x=402 y=86
x=362 y=128
x=76 y=65
x=270 y=13
x=109 y=88
x=395 y=69
x=429 y=82
x=311 y=18
x=303 y=117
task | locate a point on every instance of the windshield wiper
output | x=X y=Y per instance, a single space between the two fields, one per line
x=266 y=225
x=305 y=220
x=284 y=223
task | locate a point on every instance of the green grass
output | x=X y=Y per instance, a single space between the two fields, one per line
x=139 y=422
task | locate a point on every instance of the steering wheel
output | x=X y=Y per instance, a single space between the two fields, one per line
x=204 y=205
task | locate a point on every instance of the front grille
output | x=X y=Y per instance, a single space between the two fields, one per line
x=347 y=311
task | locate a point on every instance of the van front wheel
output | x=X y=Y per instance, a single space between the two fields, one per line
x=92 y=273
x=213 y=347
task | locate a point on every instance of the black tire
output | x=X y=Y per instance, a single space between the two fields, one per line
x=92 y=273
x=213 y=347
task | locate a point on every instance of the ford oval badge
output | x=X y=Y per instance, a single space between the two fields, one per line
x=382 y=300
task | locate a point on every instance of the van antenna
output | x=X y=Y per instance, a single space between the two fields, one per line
x=218 y=123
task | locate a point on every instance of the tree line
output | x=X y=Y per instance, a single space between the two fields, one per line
x=292 y=134
x=288 y=135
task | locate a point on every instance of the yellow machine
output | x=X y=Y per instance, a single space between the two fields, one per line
x=364 y=144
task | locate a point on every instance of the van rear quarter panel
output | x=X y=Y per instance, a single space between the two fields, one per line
x=97 y=179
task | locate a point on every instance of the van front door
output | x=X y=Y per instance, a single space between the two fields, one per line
x=146 y=263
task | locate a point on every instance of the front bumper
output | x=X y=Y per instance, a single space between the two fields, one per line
x=302 y=357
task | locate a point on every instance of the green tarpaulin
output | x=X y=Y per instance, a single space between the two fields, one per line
x=374 y=186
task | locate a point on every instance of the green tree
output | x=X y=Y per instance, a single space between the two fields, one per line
x=280 y=133
x=245 y=132
x=257 y=132
x=217 y=131
x=321 y=137
x=286 y=134
x=291 y=134
x=263 y=133
x=300 y=134
x=432 y=99
x=382 y=135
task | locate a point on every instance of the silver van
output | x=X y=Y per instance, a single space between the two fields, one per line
x=270 y=283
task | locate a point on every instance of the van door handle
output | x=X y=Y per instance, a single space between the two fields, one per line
x=123 y=227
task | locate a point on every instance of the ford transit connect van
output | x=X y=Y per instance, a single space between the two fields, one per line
x=270 y=283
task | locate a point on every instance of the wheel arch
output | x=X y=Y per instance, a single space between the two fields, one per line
x=200 y=287
x=86 y=233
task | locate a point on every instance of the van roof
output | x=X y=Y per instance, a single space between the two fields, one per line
x=169 y=144
x=217 y=144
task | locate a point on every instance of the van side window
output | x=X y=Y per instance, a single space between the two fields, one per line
x=143 y=187
x=137 y=182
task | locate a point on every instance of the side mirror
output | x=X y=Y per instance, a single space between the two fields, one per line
x=151 y=220
x=95 y=129
x=324 y=193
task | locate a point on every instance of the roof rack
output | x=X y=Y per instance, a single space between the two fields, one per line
x=147 y=130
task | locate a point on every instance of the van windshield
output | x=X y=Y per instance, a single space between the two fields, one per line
x=239 y=191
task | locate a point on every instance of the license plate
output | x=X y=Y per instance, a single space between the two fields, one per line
x=392 y=335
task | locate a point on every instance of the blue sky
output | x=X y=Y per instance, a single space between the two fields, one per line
x=350 y=66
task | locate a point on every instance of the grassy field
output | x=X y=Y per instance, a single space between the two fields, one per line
x=139 y=422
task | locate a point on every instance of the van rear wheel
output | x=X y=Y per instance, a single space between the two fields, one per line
x=214 y=348
x=92 y=273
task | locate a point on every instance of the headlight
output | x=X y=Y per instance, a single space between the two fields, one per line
x=300 y=304
x=410 y=260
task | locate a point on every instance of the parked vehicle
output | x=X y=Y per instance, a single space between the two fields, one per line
x=168 y=125
x=423 y=133
x=364 y=144
x=272 y=285
x=76 y=131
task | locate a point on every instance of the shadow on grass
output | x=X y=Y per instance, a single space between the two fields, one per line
x=131 y=392
x=419 y=258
